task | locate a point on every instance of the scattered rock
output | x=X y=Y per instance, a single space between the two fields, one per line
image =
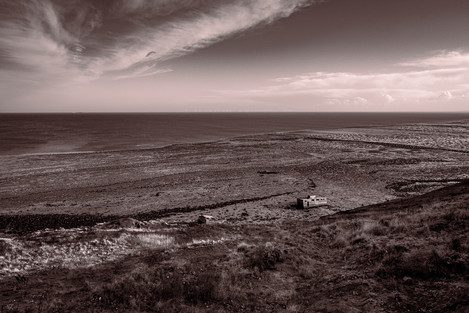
x=267 y=172
x=203 y=219
x=127 y=223
x=407 y=280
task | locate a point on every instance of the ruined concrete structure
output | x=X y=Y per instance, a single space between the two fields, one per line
x=310 y=202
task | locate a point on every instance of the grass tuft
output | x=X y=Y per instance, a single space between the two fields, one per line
x=263 y=257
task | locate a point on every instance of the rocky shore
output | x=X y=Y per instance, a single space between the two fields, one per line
x=215 y=227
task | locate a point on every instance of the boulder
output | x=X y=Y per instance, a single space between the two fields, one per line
x=203 y=219
x=127 y=222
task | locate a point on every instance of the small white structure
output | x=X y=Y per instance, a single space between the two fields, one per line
x=310 y=202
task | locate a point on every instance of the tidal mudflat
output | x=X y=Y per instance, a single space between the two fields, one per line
x=117 y=230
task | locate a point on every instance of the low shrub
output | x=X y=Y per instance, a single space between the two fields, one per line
x=3 y=247
x=422 y=265
x=263 y=258
x=202 y=288
x=141 y=290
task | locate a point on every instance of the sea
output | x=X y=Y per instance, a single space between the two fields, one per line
x=91 y=132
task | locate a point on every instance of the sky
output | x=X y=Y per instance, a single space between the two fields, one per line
x=234 y=55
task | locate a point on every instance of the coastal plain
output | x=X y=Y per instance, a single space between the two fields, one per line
x=121 y=231
x=262 y=174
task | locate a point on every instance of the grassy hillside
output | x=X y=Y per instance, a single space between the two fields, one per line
x=403 y=255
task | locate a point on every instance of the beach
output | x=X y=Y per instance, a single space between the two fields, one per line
x=352 y=167
x=91 y=215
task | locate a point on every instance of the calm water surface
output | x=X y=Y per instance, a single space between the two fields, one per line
x=55 y=133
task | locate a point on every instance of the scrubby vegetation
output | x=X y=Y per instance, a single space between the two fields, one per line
x=407 y=255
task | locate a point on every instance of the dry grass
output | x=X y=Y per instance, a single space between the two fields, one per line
x=73 y=248
x=393 y=260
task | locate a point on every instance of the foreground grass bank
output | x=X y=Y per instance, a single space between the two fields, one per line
x=407 y=255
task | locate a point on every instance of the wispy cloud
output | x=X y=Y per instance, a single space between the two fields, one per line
x=188 y=33
x=78 y=40
x=145 y=8
x=36 y=41
x=445 y=59
x=439 y=78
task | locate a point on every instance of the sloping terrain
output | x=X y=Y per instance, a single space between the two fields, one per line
x=117 y=231
x=403 y=255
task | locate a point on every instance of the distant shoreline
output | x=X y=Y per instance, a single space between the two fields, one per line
x=69 y=133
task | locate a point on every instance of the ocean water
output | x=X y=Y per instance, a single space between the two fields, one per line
x=67 y=133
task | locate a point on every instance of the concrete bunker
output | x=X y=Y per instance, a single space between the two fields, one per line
x=310 y=202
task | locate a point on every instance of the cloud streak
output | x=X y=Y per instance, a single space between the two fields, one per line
x=436 y=79
x=191 y=32
x=445 y=59
x=86 y=40
x=37 y=43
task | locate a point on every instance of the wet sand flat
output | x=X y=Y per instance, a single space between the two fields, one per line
x=260 y=173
